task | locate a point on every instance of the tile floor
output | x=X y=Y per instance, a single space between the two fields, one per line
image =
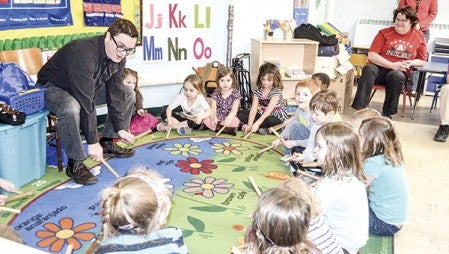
x=428 y=174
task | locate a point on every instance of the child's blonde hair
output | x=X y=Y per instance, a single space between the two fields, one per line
x=363 y=114
x=273 y=71
x=343 y=146
x=324 y=101
x=281 y=223
x=223 y=72
x=197 y=82
x=310 y=84
x=303 y=191
x=379 y=136
x=138 y=203
x=10 y=233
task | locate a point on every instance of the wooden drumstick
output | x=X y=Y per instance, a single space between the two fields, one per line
x=253 y=183
x=16 y=191
x=219 y=132
x=247 y=135
x=265 y=149
x=279 y=126
x=316 y=178
x=295 y=155
x=110 y=168
x=277 y=135
x=19 y=196
x=311 y=164
x=69 y=249
x=12 y=210
x=168 y=133
x=144 y=133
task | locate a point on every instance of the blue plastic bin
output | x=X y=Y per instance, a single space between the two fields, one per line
x=23 y=149
x=30 y=102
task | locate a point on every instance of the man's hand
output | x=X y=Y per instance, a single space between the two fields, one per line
x=126 y=137
x=95 y=151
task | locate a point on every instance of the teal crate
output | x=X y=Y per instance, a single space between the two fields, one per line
x=23 y=149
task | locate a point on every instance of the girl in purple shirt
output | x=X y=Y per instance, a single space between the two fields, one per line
x=225 y=103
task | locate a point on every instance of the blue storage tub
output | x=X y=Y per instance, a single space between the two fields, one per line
x=23 y=149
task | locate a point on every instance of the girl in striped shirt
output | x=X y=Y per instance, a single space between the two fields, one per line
x=267 y=108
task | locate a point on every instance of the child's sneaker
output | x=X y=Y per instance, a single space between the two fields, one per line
x=263 y=131
x=162 y=127
x=184 y=130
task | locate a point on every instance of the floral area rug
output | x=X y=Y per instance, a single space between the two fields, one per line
x=213 y=201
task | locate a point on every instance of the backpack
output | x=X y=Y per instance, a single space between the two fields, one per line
x=208 y=74
x=13 y=80
x=308 y=31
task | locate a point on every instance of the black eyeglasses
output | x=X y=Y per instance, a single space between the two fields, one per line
x=122 y=49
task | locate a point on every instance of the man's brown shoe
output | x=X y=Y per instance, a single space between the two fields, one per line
x=80 y=174
x=110 y=148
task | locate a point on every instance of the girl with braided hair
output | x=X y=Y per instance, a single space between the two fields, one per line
x=134 y=210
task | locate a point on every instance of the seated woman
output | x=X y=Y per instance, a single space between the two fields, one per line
x=393 y=53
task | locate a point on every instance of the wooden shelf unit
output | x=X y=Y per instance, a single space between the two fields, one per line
x=298 y=53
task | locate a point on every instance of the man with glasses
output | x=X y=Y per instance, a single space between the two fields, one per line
x=393 y=54
x=73 y=76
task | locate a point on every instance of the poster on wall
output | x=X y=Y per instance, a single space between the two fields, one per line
x=19 y=14
x=180 y=35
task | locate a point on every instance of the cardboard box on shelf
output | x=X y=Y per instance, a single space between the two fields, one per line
x=328 y=65
x=343 y=85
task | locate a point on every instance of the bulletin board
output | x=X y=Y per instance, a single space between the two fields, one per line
x=50 y=38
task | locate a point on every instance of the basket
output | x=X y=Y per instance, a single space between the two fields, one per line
x=29 y=102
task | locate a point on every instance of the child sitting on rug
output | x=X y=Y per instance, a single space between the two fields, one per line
x=360 y=115
x=133 y=213
x=280 y=225
x=319 y=232
x=384 y=170
x=189 y=108
x=297 y=128
x=7 y=186
x=341 y=192
x=267 y=108
x=322 y=79
x=323 y=106
x=141 y=120
x=8 y=232
x=225 y=104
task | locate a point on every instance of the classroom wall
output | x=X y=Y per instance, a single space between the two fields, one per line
x=76 y=6
x=249 y=17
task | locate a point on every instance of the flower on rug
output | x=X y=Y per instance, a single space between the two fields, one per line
x=65 y=234
x=227 y=148
x=184 y=149
x=277 y=175
x=208 y=186
x=238 y=227
x=194 y=166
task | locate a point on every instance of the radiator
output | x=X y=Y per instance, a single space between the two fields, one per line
x=366 y=30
